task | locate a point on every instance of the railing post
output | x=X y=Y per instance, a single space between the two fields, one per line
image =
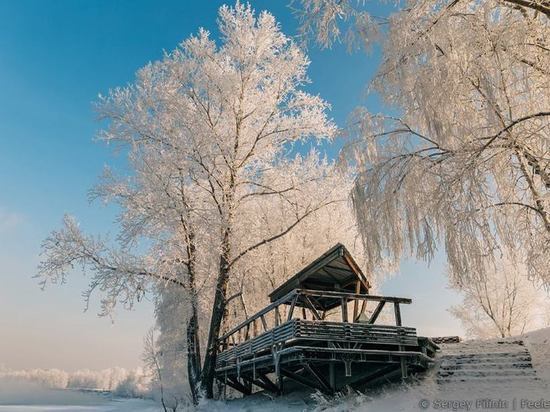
x=277 y=316
x=398 y=322
x=356 y=302
x=344 y=309
x=397 y=314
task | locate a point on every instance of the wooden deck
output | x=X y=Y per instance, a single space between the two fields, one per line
x=280 y=343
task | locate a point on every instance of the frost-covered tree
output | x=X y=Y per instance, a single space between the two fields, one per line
x=266 y=268
x=172 y=313
x=207 y=131
x=351 y=21
x=466 y=159
x=502 y=303
x=153 y=358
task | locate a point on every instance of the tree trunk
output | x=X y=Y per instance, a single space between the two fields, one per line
x=193 y=342
x=193 y=355
x=218 y=312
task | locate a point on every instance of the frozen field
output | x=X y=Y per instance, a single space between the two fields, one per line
x=24 y=396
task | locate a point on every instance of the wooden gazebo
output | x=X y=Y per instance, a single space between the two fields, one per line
x=320 y=332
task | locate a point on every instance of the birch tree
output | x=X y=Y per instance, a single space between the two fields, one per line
x=502 y=303
x=465 y=161
x=205 y=129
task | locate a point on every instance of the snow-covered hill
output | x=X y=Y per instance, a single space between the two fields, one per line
x=499 y=374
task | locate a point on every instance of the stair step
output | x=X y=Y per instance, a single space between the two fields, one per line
x=492 y=362
x=488 y=372
x=491 y=379
x=485 y=357
x=486 y=365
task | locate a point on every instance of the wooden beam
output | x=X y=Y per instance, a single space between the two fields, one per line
x=330 y=275
x=261 y=384
x=235 y=384
x=343 y=271
x=311 y=307
x=301 y=380
x=376 y=375
x=349 y=260
x=268 y=383
x=328 y=293
x=291 y=310
x=377 y=312
x=322 y=382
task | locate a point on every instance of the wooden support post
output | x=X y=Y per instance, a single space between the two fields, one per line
x=404 y=369
x=331 y=376
x=397 y=314
x=363 y=307
x=277 y=316
x=344 y=309
x=278 y=374
x=403 y=360
x=347 y=367
x=356 y=302
x=264 y=323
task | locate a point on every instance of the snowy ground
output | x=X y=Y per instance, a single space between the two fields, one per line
x=480 y=394
x=502 y=393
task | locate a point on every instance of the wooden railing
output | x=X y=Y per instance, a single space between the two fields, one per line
x=271 y=324
x=315 y=333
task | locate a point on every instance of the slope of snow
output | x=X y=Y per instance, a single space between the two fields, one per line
x=538 y=343
x=492 y=377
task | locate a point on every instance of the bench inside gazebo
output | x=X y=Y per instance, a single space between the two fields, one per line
x=322 y=330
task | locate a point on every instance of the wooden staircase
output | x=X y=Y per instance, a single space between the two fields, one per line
x=498 y=361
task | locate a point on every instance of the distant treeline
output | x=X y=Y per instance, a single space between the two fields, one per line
x=119 y=381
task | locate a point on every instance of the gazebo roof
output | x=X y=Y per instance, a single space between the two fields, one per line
x=335 y=270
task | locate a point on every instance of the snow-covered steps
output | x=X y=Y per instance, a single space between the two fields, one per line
x=487 y=361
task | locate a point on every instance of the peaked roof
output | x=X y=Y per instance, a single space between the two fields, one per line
x=335 y=270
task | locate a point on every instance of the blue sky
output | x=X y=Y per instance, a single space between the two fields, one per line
x=55 y=58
